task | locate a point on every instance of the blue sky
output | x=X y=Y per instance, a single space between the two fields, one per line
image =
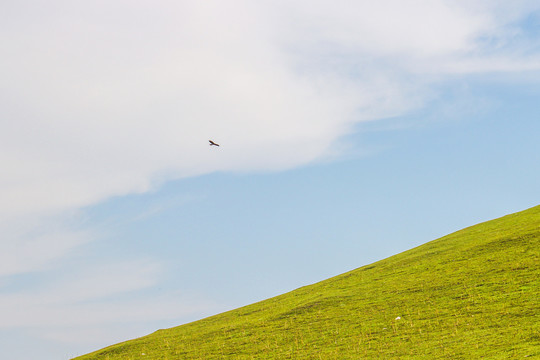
x=349 y=132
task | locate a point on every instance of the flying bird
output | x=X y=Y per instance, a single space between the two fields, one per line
x=213 y=143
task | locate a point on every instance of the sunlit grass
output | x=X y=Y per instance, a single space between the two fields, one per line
x=469 y=295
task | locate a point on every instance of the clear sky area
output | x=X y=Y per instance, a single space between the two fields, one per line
x=349 y=131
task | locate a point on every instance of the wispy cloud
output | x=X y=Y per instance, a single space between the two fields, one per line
x=32 y=243
x=106 y=300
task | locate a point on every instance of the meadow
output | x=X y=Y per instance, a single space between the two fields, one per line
x=469 y=295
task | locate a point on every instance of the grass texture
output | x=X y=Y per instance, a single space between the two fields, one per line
x=469 y=295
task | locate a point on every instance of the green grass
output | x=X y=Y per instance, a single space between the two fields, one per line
x=469 y=295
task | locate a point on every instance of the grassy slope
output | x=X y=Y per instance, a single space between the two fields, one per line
x=472 y=294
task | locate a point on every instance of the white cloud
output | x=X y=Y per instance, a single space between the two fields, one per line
x=106 y=99
x=417 y=28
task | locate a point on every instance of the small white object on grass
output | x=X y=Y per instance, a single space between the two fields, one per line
x=398 y=318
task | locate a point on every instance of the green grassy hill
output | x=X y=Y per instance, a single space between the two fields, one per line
x=469 y=295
